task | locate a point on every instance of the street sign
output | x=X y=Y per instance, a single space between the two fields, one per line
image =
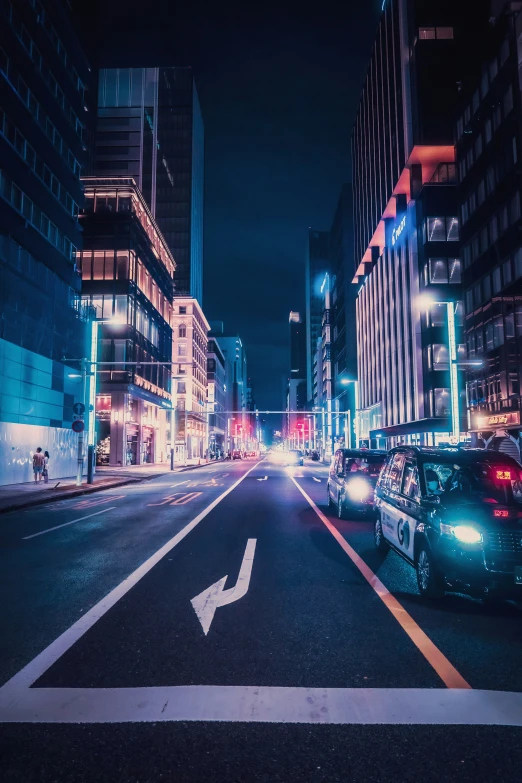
x=78 y=426
x=79 y=408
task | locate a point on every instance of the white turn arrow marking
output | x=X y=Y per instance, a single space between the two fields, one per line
x=264 y=479
x=206 y=603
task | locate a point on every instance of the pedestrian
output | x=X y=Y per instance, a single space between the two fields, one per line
x=38 y=464
x=46 y=467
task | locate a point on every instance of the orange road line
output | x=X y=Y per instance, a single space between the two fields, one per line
x=446 y=671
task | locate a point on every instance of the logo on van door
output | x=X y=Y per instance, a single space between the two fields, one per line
x=403 y=533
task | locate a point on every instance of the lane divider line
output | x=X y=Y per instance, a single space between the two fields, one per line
x=437 y=660
x=65 y=524
x=14 y=687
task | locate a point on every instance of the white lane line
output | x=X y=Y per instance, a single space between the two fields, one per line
x=316 y=479
x=65 y=524
x=446 y=671
x=253 y=704
x=180 y=483
x=35 y=668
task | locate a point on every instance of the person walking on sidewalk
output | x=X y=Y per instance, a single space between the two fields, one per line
x=46 y=467
x=38 y=464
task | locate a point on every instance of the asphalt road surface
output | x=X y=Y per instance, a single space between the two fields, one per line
x=223 y=625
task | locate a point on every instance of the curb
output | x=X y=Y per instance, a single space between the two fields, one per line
x=89 y=489
x=73 y=493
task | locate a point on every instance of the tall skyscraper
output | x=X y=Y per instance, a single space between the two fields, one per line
x=297 y=387
x=44 y=137
x=150 y=128
x=317 y=265
x=407 y=223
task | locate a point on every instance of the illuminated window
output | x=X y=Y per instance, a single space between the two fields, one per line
x=426 y=33
x=438 y=270
x=436 y=229
x=441 y=399
x=444 y=33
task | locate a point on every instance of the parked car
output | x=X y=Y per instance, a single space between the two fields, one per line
x=456 y=516
x=352 y=479
x=236 y=454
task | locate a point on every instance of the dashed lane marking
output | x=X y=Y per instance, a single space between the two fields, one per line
x=316 y=479
x=65 y=524
x=446 y=671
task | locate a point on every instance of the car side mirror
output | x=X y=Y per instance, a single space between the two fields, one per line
x=430 y=501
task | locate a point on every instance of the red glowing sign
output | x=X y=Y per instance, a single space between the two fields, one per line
x=503 y=475
x=498 y=512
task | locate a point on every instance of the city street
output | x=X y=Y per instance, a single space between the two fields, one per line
x=223 y=625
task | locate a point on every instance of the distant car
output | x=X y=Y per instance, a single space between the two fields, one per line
x=236 y=454
x=454 y=515
x=295 y=457
x=352 y=480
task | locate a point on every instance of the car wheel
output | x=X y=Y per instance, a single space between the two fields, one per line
x=340 y=506
x=380 y=542
x=428 y=580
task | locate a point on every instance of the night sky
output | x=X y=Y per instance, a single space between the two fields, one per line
x=278 y=85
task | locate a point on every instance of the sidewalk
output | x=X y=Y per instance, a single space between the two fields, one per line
x=18 y=496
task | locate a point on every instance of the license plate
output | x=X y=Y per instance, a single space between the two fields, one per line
x=518 y=575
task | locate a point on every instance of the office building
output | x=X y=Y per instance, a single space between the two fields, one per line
x=344 y=335
x=189 y=357
x=44 y=135
x=149 y=127
x=296 y=394
x=489 y=158
x=406 y=224
x=217 y=419
x=236 y=383
x=128 y=276
x=317 y=265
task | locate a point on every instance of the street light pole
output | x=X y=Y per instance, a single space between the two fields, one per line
x=79 y=473
x=454 y=383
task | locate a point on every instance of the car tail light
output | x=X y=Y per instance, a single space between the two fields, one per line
x=499 y=512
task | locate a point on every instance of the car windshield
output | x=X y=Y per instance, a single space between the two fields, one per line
x=367 y=465
x=477 y=482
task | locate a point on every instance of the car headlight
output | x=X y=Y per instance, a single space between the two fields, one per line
x=466 y=534
x=357 y=489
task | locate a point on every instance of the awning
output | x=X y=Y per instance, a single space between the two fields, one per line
x=435 y=424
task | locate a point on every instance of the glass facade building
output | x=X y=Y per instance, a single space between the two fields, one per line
x=317 y=265
x=128 y=280
x=44 y=138
x=488 y=158
x=406 y=222
x=150 y=128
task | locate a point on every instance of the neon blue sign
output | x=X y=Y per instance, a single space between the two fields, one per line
x=397 y=231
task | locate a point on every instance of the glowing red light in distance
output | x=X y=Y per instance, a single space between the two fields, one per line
x=498 y=512
x=503 y=475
